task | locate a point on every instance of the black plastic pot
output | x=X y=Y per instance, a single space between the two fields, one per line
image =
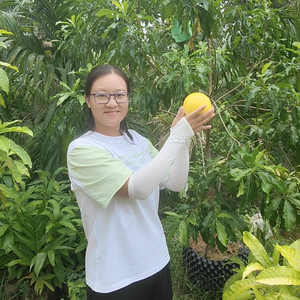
x=210 y=275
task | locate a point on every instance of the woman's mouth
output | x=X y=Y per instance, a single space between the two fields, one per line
x=112 y=112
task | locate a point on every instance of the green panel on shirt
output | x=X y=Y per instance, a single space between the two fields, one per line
x=98 y=172
x=153 y=151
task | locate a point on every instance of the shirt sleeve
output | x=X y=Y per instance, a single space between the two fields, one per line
x=96 y=172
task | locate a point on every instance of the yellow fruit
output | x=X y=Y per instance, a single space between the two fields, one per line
x=195 y=100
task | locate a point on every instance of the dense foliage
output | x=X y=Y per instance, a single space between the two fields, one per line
x=272 y=277
x=244 y=54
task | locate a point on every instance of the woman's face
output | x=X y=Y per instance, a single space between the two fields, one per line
x=108 y=116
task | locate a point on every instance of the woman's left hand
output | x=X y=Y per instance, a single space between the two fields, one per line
x=197 y=121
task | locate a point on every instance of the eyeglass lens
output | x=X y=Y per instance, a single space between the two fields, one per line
x=104 y=98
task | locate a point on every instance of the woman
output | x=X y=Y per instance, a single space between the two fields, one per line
x=116 y=175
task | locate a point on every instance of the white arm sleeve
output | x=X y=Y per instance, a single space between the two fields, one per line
x=143 y=182
x=178 y=173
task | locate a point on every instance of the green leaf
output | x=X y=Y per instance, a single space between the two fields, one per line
x=296 y=244
x=106 y=12
x=257 y=294
x=4 y=64
x=39 y=262
x=108 y=29
x=68 y=225
x=3 y=229
x=51 y=257
x=123 y=6
x=240 y=287
x=183 y=234
x=187 y=81
x=257 y=249
x=288 y=215
x=8 y=192
x=39 y=285
x=15 y=262
x=171 y=213
x=21 y=153
x=291 y=255
x=208 y=220
x=65 y=86
x=293 y=199
x=241 y=189
x=48 y=276
x=265 y=67
x=56 y=207
x=63 y=97
x=13 y=169
x=76 y=85
x=275 y=256
x=81 y=99
x=8 y=241
x=279 y=275
x=224 y=215
x=4 y=128
x=178 y=34
x=272 y=207
x=4 y=82
x=81 y=247
x=238 y=174
x=192 y=220
x=265 y=182
x=2 y=31
x=59 y=270
x=221 y=231
x=251 y=268
x=4 y=144
x=118 y=5
x=22 y=168
x=2 y=100
x=285 y=297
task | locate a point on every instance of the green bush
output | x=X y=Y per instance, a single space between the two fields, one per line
x=222 y=189
x=208 y=207
x=272 y=189
x=41 y=234
x=265 y=277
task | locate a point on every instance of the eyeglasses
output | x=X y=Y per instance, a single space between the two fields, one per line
x=104 y=98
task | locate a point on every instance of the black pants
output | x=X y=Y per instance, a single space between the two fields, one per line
x=155 y=287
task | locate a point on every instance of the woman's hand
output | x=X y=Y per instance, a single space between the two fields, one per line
x=197 y=121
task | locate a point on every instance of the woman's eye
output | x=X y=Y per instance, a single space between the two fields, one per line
x=121 y=95
x=102 y=96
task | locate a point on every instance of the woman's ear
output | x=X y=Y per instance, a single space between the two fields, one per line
x=87 y=100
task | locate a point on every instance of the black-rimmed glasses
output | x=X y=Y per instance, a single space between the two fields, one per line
x=104 y=98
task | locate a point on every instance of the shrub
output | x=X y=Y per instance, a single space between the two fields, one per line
x=41 y=235
x=276 y=277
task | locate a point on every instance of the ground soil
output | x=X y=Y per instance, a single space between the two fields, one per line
x=286 y=237
x=291 y=236
x=214 y=254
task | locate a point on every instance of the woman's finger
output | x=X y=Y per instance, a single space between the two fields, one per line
x=200 y=122
x=179 y=115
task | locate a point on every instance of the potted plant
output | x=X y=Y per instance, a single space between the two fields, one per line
x=208 y=225
x=213 y=209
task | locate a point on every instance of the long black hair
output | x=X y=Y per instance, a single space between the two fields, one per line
x=95 y=74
